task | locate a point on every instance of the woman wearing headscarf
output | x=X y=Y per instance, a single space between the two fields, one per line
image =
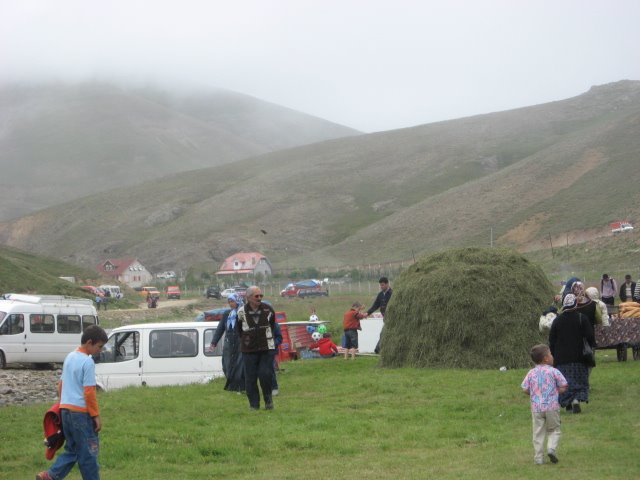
x=585 y=305
x=232 y=365
x=566 y=344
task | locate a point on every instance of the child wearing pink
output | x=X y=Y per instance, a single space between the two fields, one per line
x=543 y=384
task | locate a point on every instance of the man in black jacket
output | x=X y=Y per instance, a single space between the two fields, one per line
x=381 y=302
x=256 y=328
x=627 y=290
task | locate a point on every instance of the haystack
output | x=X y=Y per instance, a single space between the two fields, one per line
x=466 y=308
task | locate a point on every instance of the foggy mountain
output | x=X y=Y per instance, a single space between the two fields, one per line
x=59 y=142
x=547 y=172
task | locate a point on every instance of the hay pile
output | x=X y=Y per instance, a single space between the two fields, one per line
x=466 y=308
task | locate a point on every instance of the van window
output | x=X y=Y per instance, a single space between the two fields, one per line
x=121 y=347
x=69 y=324
x=40 y=323
x=173 y=343
x=88 y=320
x=208 y=351
x=13 y=325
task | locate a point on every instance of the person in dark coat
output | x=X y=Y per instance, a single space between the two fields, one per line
x=381 y=301
x=256 y=327
x=566 y=343
x=627 y=289
x=585 y=305
x=232 y=364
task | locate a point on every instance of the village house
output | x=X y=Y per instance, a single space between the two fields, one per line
x=244 y=265
x=126 y=270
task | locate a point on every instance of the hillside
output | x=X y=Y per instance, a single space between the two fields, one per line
x=59 y=142
x=559 y=171
x=21 y=272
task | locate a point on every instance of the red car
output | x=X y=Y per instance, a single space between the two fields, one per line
x=305 y=288
x=93 y=290
x=173 y=291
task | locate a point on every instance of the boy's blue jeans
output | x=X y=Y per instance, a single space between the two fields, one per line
x=81 y=447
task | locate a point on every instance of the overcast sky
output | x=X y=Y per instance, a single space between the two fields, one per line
x=369 y=64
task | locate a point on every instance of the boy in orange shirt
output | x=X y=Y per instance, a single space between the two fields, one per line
x=79 y=410
x=351 y=325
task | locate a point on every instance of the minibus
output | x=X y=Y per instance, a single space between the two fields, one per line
x=157 y=354
x=42 y=329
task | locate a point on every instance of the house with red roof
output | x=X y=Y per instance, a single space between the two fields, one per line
x=245 y=264
x=126 y=270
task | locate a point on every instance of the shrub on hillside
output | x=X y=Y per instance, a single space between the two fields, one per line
x=466 y=308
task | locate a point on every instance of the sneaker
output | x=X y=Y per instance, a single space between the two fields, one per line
x=576 y=408
x=539 y=462
x=552 y=456
x=43 y=476
x=254 y=408
x=268 y=406
x=275 y=392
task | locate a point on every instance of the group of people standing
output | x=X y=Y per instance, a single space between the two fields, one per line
x=560 y=378
x=351 y=319
x=251 y=339
x=252 y=336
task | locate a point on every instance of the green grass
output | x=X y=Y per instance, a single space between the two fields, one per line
x=343 y=419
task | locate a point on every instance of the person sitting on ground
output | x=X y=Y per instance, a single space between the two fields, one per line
x=325 y=346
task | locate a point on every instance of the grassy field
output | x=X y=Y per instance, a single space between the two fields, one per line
x=345 y=419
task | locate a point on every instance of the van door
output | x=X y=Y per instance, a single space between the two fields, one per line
x=120 y=362
x=12 y=338
x=42 y=341
x=178 y=356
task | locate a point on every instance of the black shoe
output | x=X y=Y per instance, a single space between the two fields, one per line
x=575 y=407
x=552 y=457
x=254 y=408
x=569 y=408
x=268 y=406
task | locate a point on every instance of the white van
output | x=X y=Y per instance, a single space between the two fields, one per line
x=42 y=328
x=156 y=354
x=114 y=290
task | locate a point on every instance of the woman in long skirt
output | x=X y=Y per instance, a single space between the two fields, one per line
x=566 y=344
x=232 y=365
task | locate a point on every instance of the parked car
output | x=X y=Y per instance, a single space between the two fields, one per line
x=93 y=290
x=114 y=291
x=226 y=292
x=213 y=292
x=305 y=288
x=153 y=291
x=173 y=291
x=166 y=275
x=240 y=290
x=214 y=315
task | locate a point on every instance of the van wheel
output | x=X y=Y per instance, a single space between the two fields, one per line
x=3 y=361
